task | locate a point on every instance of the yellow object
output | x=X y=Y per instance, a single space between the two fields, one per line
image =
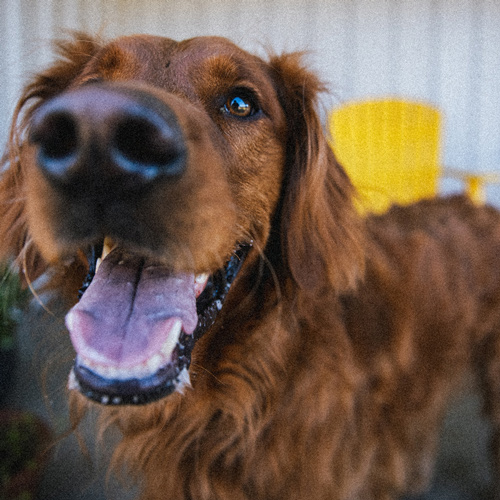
x=390 y=149
x=474 y=182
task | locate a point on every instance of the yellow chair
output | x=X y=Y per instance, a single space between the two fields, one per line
x=391 y=151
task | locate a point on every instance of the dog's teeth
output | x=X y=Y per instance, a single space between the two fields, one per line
x=155 y=363
x=107 y=247
x=73 y=383
x=200 y=282
x=98 y=263
x=172 y=338
x=201 y=278
x=183 y=381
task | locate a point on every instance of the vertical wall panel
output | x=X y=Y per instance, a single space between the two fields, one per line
x=372 y=49
x=488 y=94
x=334 y=54
x=442 y=51
x=455 y=62
x=11 y=66
x=414 y=50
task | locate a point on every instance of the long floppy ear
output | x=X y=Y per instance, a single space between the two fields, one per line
x=322 y=233
x=15 y=241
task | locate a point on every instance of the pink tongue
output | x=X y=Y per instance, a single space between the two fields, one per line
x=129 y=311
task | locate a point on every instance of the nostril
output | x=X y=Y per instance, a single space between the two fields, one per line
x=105 y=134
x=56 y=135
x=147 y=146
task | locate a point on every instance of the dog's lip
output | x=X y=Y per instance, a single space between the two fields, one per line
x=133 y=392
x=141 y=380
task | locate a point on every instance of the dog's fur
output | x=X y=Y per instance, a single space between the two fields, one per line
x=328 y=370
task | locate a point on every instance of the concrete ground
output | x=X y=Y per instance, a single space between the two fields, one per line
x=46 y=356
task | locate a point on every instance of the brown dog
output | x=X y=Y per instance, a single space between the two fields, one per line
x=251 y=336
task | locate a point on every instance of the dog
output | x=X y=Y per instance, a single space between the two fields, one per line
x=250 y=334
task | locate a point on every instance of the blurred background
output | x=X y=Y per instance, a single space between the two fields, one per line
x=445 y=53
x=442 y=52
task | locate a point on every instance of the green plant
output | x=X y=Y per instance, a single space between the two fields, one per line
x=18 y=445
x=23 y=441
x=12 y=298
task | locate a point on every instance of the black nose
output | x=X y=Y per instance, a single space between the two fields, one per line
x=101 y=132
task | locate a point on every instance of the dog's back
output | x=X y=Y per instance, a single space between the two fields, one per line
x=427 y=313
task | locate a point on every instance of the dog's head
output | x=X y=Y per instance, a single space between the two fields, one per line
x=162 y=168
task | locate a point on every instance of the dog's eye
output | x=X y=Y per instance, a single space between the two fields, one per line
x=240 y=105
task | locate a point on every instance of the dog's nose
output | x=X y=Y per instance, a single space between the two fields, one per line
x=101 y=132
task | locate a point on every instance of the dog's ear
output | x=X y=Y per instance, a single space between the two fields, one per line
x=15 y=241
x=322 y=233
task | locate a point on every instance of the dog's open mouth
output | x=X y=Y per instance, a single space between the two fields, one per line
x=137 y=322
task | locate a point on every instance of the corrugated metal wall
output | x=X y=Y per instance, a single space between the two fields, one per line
x=446 y=52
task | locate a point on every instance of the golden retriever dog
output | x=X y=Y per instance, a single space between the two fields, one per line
x=252 y=337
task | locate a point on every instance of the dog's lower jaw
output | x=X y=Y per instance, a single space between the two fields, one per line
x=181 y=383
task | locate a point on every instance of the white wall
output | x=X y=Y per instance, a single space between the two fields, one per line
x=446 y=52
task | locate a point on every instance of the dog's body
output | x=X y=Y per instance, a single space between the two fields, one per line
x=323 y=373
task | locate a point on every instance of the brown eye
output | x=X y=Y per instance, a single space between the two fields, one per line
x=240 y=106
